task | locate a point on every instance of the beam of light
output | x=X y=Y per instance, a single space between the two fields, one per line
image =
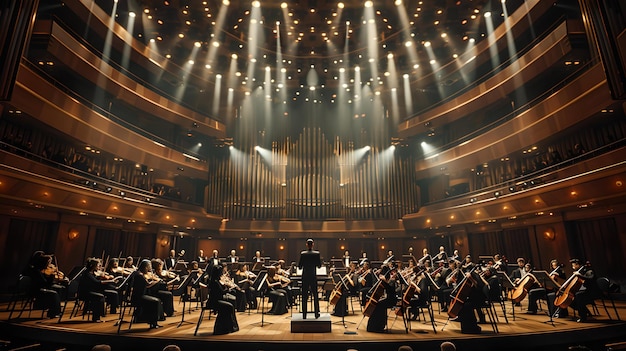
x=187 y=68
x=281 y=72
x=427 y=148
x=491 y=39
x=106 y=55
x=434 y=65
x=255 y=33
x=395 y=107
x=520 y=94
x=408 y=97
x=216 y=94
x=407 y=38
x=128 y=41
x=357 y=90
x=218 y=29
x=385 y=158
x=267 y=87
x=371 y=39
x=287 y=20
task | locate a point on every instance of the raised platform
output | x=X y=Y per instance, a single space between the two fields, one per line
x=526 y=332
x=310 y=324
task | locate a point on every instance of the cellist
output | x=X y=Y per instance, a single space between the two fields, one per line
x=588 y=292
x=378 y=318
x=541 y=293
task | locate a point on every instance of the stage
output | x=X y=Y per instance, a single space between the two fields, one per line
x=273 y=332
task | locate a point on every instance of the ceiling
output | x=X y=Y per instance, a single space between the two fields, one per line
x=290 y=49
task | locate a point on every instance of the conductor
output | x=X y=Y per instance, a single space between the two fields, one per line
x=309 y=261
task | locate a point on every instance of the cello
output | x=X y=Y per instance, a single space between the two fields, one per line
x=376 y=292
x=464 y=288
x=337 y=292
x=566 y=293
x=522 y=288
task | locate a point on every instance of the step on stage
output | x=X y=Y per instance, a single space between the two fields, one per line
x=266 y=332
x=310 y=324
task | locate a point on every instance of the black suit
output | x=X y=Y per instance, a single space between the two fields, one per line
x=309 y=261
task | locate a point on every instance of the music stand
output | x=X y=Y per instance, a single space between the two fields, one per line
x=260 y=285
x=547 y=282
x=506 y=283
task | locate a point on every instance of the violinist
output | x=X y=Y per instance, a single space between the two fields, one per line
x=245 y=279
x=499 y=264
x=257 y=257
x=442 y=255
x=467 y=265
x=384 y=297
x=277 y=295
x=151 y=307
x=540 y=292
x=168 y=277
x=198 y=281
x=455 y=255
x=449 y=277
x=363 y=258
x=213 y=261
x=237 y=295
x=95 y=289
x=422 y=293
x=159 y=288
x=43 y=286
x=221 y=301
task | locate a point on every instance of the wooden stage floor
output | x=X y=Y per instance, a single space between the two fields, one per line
x=527 y=332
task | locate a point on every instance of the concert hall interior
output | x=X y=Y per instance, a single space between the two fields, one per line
x=160 y=158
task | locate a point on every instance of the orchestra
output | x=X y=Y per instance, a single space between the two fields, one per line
x=460 y=287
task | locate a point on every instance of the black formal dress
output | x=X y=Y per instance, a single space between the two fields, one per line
x=95 y=294
x=220 y=301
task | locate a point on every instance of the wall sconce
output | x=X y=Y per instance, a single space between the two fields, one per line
x=458 y=241
x=549 y=234
x=164 y=241
x=73 y=234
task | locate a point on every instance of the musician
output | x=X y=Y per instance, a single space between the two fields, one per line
x=232 y=258
x=541 y=292
x=309 y=261
x=221 y=301
x=471 y=307
x=455 y=255
x=344 y=287
x=422 y=295
x=346 y=259
x=151 y=307
x=129 y=265
x=96 y=290
x=468 y=264
x=363 y=258
x=229 y=285
x=113 y=267
x=587 y=293
x=160 y=288
x=499 y=264
x=377 y=321
x=43 y=286
x=199 y=283
x=425 y=256
x=257 y=257
x=517 y=274
x=168 y=277
x=170 y=261
x=449 y=277
x=428 y=267
x=277 y=295
x=245 y=281
x=201 y=257
x=442 y=255
x=365 y=282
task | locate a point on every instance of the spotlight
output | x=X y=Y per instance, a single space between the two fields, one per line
x=512 y=188
x=497 y=194
x=472 y=200
x=108 y=189
x=122 y=193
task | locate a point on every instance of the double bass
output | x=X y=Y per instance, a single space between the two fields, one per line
x=566 y=293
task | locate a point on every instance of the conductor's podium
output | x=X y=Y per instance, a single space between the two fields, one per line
x=310 y=324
